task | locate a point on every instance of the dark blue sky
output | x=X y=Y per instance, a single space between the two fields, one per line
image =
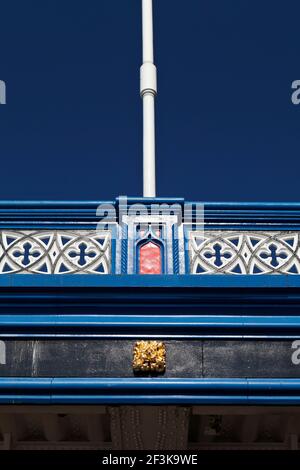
x=226 y=127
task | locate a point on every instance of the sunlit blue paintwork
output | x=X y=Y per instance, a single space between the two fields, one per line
x=265 y=306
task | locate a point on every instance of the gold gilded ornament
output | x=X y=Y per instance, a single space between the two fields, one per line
x=149 y=356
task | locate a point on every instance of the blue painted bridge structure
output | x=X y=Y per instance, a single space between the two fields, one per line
x=77 y=291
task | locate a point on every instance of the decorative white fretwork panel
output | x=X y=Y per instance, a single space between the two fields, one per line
x=55 y=252
x=230 y=252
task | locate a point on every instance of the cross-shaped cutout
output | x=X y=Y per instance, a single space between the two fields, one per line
x=82 y=253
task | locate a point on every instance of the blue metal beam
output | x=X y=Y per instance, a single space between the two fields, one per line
x=81 y=214
x=202 y=322
x=149 y=391
x=151 y=281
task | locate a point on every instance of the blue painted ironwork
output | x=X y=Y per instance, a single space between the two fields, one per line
x=171 y=306
x=145 y=391
x=155 y=281
x=229 y=325
x=175 y=250
x=240 y=216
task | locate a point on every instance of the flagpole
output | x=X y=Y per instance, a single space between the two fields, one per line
x=148 y=91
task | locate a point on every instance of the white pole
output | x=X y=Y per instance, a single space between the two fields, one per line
x=148 y=90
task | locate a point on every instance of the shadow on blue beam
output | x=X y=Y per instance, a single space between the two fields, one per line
x=149 y=391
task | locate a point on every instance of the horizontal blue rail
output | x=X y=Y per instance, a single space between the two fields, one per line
x=150 y=321
x=149 y=391
x=152 y=281
x=83 y=214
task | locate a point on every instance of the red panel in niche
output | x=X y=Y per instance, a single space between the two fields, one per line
x=150 y=259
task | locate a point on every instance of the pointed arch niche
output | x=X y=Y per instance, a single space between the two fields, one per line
x=150 y=253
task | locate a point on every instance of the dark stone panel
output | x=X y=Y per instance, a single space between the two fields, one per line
x=184 y=358
x=249 y=358
x=92 y=358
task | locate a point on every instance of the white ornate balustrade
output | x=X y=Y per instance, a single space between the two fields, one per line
x=209 y=252
x=78 y=238
x=55 y=252
x=231 y=252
